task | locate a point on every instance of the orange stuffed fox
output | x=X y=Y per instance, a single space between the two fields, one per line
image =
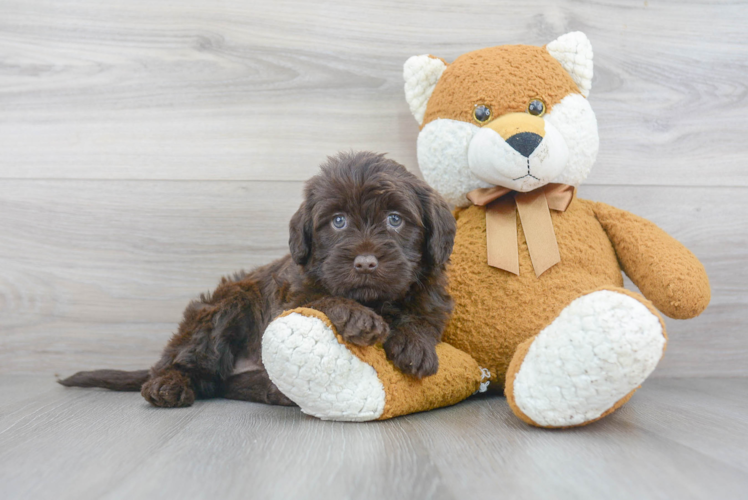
x=506 y=136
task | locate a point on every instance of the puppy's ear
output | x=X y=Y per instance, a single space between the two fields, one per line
x=300 y=235
x=439 y=223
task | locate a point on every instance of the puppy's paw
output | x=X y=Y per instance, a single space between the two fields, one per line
x=255 y=386
x=358 y=324
x=168 y=390
x=412 y=354
x=276 y=397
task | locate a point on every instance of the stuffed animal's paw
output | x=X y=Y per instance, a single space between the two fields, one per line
x=412 y=354
x=306 y=361
x=169 y=390
x=587 y=362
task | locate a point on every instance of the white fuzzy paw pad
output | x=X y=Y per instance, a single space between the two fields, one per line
x=601 y=347
x=308 y=364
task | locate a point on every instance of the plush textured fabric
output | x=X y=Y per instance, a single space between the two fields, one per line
x=448 y=148
x=326 y=380
x=574 y=52
x=458 y=377
x=665 y=271
x=306 y=362
x=509 y=310
x=498 y=316
x=586 y=360
x=505 y=78
x=495 y=311
x=421 y=74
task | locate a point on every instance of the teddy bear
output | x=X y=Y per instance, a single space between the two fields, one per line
x=506 y=136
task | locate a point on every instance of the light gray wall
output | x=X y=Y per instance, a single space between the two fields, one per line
x=148 y=147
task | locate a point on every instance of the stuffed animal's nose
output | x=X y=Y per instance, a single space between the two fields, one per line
x=525 y=143
x=365 y=263
x=522 y=131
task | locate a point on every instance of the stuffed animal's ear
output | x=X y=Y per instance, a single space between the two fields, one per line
x=421 y=74
x=300 y=235
x=574 y=52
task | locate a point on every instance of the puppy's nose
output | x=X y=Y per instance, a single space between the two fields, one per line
x=365 y=263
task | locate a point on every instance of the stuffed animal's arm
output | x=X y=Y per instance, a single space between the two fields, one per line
x=665 y=271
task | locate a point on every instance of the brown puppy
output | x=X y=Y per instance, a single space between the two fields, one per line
x=369 y=246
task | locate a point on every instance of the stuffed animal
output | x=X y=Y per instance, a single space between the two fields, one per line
x=507 y=134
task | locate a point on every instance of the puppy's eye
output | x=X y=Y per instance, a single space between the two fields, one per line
x=536 y=107
x=481 y=113
x=395 y=220
x=338 y=221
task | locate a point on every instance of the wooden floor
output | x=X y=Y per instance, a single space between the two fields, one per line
x=677 y=438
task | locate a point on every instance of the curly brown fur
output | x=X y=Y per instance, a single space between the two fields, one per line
x=397 y=296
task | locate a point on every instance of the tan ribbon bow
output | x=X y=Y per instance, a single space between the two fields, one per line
x=534 y=215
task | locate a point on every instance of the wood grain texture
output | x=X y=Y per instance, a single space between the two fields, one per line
x=109 y=89
x=677 y=438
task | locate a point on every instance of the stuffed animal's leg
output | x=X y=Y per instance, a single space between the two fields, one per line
x=588 y=362
x=333 y=380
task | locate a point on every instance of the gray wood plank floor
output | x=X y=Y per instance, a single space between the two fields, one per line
x=677 y=438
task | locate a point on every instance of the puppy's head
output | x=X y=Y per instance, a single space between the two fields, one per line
x=368 y=229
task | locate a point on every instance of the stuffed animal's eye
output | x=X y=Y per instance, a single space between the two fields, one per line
x=338 y=221
x=394 y=220
x=536 y=107
x=481 y=113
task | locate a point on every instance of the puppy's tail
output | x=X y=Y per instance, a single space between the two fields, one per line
x=114 y=380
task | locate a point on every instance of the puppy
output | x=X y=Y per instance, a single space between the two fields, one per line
x=369 y=246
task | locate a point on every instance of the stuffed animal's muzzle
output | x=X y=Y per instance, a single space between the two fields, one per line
x=518 y=151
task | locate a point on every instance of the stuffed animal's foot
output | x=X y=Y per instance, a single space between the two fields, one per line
x=588 y=362
x=334 y=380
x=304 y=358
